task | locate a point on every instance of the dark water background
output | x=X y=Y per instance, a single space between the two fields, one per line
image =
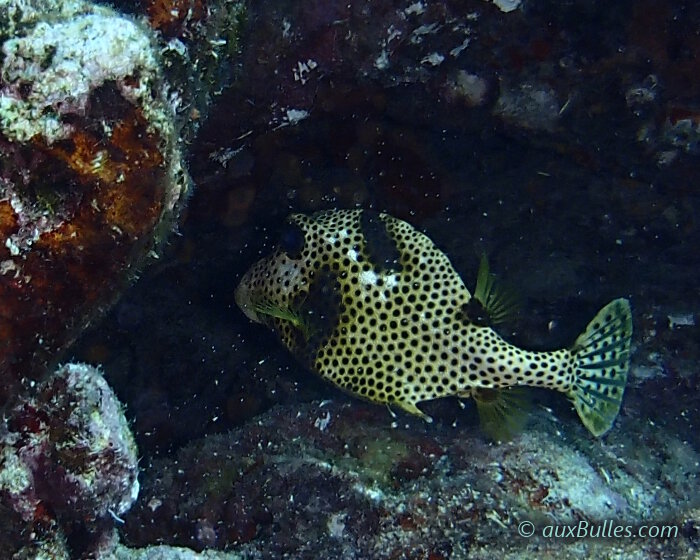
x=569 y=235
x=575 y=207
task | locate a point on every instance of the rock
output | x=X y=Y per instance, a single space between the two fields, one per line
x=92 y=176
x=333 y=480
x=68 y=465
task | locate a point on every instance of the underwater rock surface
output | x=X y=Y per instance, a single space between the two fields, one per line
x=68 y=468
x=91 y=175
x=94 y=109
x=333 y=480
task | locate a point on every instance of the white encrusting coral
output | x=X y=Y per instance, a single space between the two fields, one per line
x=61 y=64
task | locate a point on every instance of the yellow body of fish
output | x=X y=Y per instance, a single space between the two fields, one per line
x=371 y=305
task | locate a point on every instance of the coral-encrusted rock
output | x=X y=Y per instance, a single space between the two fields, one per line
x=68 y=463
x=90 y=173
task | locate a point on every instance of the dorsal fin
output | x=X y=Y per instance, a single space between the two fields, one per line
x=499 y=302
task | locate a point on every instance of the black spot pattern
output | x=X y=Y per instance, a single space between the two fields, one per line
x=318 y=309
x=380 y=247
x=292 y=240
x=475 y=313
x=399 y=334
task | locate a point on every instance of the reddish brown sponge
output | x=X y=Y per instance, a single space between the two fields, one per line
x=171 y=17
x=89 y=179
x=79 y=262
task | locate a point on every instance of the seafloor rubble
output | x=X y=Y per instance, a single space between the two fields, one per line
x=560 y=138
x=341 y=480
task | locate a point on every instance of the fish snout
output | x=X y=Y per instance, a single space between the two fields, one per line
x=243 y=300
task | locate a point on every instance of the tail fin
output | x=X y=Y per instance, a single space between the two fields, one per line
x=602 y=360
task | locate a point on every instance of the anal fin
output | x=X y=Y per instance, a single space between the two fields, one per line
x=411 y=408
x=503 y=413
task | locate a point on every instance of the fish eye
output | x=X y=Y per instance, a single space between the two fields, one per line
x=292 y=240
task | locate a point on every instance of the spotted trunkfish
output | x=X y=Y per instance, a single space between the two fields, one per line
x=374 y=307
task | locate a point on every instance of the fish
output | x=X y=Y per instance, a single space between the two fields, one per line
x=373 y=306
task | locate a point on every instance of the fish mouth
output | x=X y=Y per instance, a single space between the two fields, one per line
x=243 y=300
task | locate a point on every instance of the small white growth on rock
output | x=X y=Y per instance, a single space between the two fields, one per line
x=12 y=247
x=9 y=266
x=336 y=525
x=666 y=157
x=382 y=61
x=322 y=422
x=676 y=320
x=471 y=87
x=286 y=27
x=458 y=49
x=416 y=8
x=433 y=59
x=419 y=32
x=302 y=70
x=391 y=34
x=373 y=493
x=507 y=5
x=293 y=116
